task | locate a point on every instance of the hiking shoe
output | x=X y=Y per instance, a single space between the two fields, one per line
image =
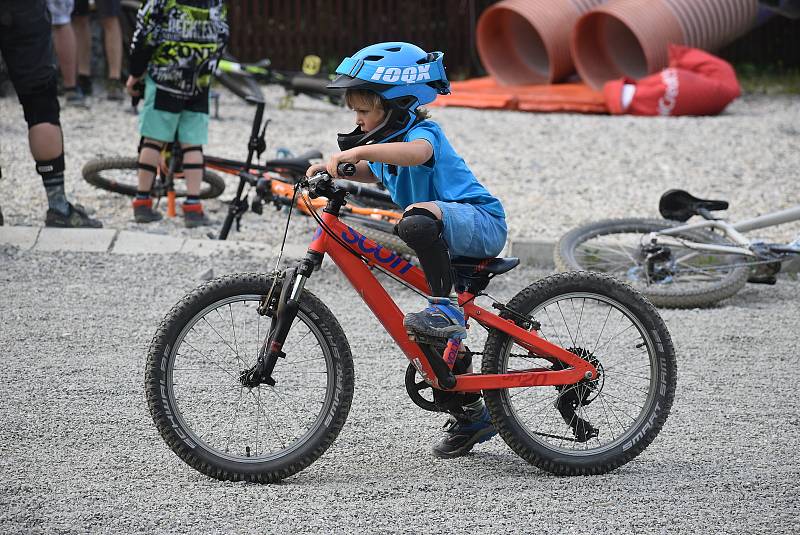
x=76 y=218
x=193 y=216
x=73 y=96
x=143 y=211
x=85 y=84
x=462 y=433
x=114 y=90
x=441 y=320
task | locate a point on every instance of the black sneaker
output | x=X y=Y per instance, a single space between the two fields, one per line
x=462 y=433
x=85 y=83
x=440 y=320
x=73 y=96
x=143 y=211
x=76 y=218
x=114 y=90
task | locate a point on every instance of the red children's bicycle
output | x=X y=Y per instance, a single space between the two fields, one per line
x=250 y=376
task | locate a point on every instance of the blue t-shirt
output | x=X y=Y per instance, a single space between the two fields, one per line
x=443 y=178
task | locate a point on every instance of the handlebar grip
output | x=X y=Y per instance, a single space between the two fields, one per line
x=346 y=169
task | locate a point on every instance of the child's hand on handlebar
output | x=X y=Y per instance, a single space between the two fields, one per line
x=316 y=168
x=348 y=156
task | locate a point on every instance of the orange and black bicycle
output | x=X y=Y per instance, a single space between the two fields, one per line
x=250 y=376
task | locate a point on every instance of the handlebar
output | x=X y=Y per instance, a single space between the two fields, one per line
x=322 y=184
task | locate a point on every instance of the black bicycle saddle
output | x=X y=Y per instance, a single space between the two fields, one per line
x=680 y=205
x=473 y=274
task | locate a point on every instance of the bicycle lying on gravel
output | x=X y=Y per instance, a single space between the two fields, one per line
x=250 y=376
x=680 y=265
x=372 y=211
x=120 y=175
x=245 y=79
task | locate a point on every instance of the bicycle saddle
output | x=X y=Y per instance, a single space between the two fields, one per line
x=680 y=205
x=473 y=274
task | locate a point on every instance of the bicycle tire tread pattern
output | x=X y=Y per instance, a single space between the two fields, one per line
x=665 y=295
x=93 y=174
x=513 y=432
x=205 y=462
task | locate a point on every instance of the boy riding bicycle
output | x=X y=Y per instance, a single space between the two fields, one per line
x=177 y=43
x=447 y=212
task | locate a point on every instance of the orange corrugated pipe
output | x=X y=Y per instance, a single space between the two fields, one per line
x=523 y=42
x=630 y=37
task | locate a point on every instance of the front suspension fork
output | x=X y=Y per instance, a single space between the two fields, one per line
x=285 y=312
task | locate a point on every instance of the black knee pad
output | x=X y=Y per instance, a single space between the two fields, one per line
x=419 y=228
x=150 y=144
x=41 y=106
x=51 y=171
x=422 y=231
x=193 y=148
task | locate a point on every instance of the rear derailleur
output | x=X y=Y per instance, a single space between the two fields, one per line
x=572 y=397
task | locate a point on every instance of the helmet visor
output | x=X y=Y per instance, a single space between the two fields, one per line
x=388 y=75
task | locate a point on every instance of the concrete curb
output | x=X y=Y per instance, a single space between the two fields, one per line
x=534 y=253
x=126 y=242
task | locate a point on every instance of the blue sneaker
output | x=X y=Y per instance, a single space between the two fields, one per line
x=440 y=320
x=463 y=432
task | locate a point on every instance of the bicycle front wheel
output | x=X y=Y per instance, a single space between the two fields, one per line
x=120 y=175
x=224 y=429
x=593 y=426
x=675 y=276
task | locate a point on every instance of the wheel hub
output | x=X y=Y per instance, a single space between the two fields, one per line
x=658 y=265
x=580 y=394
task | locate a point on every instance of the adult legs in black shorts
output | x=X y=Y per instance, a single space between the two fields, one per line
x=27 y=47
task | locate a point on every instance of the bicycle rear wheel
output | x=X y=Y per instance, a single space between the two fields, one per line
x=590 y=427
x=224 y=429
x=120 y=175
x=680 y=278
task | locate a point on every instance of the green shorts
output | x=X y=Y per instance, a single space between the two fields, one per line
x=161 y=125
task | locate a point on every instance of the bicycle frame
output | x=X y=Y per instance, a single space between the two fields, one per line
x=732 y=231
x=368 y=255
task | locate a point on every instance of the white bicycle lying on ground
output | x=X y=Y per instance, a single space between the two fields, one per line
x=677 y=264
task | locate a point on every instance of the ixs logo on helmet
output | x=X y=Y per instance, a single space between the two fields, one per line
x=387 y=257
x=409 y=75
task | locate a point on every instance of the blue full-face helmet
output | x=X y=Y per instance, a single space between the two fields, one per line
x=404 y=75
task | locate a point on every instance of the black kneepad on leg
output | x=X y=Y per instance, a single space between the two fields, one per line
x=41 y=106
x=420 y=228
x=422 y=231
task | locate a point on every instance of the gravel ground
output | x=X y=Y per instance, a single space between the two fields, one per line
x=81 y=454
x=551 y=171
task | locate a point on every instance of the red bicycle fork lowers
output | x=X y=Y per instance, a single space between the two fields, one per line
x=357 y=268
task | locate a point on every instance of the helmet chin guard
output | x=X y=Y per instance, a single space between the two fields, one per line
x=398 y=120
